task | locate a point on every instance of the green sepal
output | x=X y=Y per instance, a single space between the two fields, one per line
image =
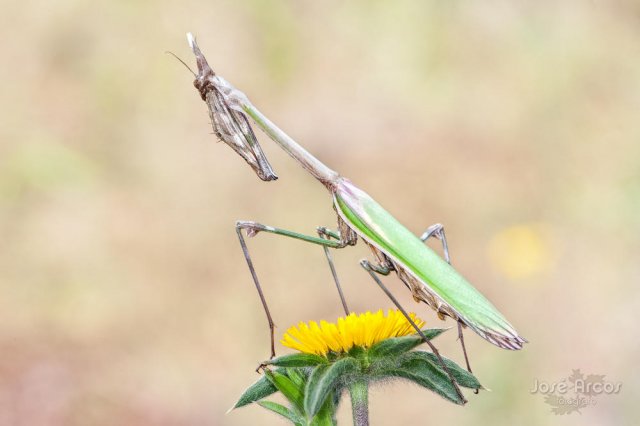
x=288 y=388
x=434 y=380
x=462 y=376
x=398 y=345
x=424 y=372
x=297 y=377
x=357 y=352
x=283 y=411
x=336 y=397
x=297 y=360
x=315 y=376
x=323 y=380
x=262 y=388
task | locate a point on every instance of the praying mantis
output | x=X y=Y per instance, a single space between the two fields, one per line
x=430 y=278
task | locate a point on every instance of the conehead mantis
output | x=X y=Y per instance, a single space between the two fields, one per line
x=430 y=278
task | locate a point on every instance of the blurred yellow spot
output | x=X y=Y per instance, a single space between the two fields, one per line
x=520 y=251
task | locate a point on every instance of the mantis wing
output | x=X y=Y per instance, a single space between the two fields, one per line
x=379 y=228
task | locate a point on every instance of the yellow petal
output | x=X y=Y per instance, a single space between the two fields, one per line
x=362 y=330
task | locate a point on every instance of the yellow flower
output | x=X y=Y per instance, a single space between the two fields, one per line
x=354 y=330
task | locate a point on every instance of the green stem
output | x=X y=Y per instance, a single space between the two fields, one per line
x=359 y=392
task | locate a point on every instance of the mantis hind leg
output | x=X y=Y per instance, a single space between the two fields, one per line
x=253 y=228
x=437 y=231
x=384 y=270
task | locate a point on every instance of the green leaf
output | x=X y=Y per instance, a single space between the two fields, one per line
x=433 y=380
x=398 y=345
x=288 y=388
x=260 y=389
x=462 y=376
x=297 y=360
x=323 y=380
x=424 y=372
x=327 y=414
x=296 y=376
x=283 y=411
x=315 y=376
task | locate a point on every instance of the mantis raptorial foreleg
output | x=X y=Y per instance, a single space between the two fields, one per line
x=252 y=228
x=384 y=270
x=437 y=231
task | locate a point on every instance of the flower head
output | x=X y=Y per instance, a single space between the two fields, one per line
x=354 y=352
x=362 y=330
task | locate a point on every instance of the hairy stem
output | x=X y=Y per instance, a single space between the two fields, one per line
x=359 y=392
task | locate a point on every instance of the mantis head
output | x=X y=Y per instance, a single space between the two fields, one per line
x=228 y=119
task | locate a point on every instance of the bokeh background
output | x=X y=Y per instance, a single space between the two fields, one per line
x=124 y=297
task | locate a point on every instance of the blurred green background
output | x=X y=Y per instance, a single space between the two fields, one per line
x=124 y=297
